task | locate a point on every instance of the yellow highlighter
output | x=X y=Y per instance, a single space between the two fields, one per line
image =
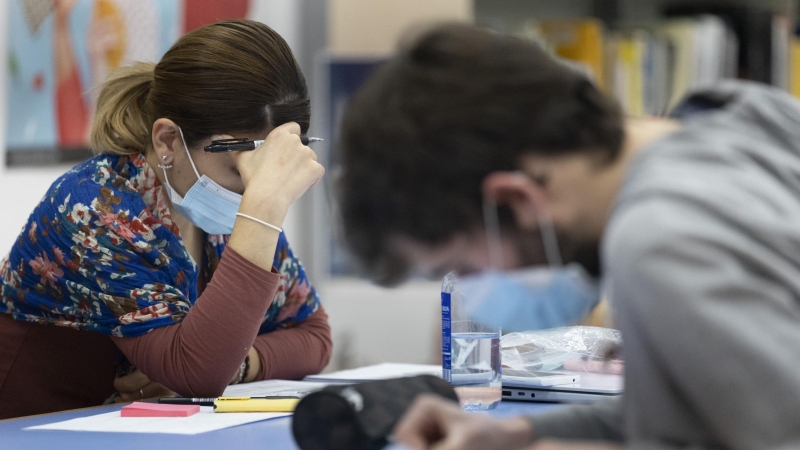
x=253 y=404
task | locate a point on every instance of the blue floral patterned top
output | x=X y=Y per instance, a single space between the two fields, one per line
x=100 y=253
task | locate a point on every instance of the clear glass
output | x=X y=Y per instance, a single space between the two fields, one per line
x=470 y=352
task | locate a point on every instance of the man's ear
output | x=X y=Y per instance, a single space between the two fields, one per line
x=166 y=140
x=518 y=192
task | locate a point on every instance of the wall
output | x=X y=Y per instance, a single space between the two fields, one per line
x=372 y=324
x=369 y=27
x=510 y=15
x=20 y=189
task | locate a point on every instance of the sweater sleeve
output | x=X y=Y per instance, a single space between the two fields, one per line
x=292 y=353
x=601 y=421
x=199 y=356
x=708 y=307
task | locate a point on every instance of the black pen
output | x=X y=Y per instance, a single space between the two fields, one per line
x=244 y=144
x=208 y=401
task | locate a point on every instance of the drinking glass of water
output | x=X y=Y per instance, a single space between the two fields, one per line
x=470 y=352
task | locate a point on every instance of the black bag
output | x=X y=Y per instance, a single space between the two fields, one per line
x=361 y=416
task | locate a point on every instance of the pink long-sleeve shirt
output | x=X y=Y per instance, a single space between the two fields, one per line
x=45 y=368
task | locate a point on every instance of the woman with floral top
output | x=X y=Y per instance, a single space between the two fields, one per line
x=156 y=266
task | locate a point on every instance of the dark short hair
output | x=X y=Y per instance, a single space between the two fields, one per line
x=455 y=104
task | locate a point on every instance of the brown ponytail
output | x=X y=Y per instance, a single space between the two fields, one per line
x=122 y=122
x=235 y=76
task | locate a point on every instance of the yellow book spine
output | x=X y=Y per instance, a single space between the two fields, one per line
x=630 y=56
x=794 y=64
x=246 y=404
x=580 y=41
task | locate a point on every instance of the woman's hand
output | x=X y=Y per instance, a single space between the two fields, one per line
x=136 y=386
x=274 y=176
x=281 y=170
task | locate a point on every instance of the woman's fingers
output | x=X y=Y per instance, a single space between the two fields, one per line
x=131 y=382
x=136 y=386
x=282 y=168
x=155 y=390
x=150 y=390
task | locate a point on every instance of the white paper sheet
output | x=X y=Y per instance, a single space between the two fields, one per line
x=273 y=388
x=378 y=372
x=204 y=421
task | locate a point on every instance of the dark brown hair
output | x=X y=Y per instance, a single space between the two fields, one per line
x=456 y=104
x=236 y=76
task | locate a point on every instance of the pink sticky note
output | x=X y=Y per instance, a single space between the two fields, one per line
x=139 y=409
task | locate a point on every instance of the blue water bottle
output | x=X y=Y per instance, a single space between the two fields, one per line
x=470 y=352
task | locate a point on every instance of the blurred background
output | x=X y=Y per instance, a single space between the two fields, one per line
x=646 y=53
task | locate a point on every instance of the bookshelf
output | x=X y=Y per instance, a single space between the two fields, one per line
x=648 y=53
x=611 y=12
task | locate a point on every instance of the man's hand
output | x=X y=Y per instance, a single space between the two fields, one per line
x=136 y=386
x=435 y=423
x=572 y=445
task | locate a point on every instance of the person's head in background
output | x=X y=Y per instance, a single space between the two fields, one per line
x=463 y=114
x=236 y=78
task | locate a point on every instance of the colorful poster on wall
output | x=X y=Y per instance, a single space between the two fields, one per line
x=60 y=51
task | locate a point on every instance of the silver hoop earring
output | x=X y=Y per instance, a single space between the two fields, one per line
x=165 y=166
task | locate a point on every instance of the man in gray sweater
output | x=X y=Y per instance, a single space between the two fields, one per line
x=691 y=221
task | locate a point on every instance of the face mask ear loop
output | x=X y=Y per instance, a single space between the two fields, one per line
x=549 y=239
x=187 y=153
x=491 y=222
x=164 y=169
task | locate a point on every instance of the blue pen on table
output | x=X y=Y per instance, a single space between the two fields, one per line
x=209 y=401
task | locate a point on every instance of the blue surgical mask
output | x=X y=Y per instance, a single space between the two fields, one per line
x=532 y=298
x=209 y=206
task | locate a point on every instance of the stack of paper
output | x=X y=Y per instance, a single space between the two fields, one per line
x=204 y=421
x=377 y=372
x=272 y=388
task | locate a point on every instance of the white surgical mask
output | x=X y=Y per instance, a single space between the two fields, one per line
x=531 y=298
x=209 y=206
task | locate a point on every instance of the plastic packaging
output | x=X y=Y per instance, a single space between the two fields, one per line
x=573 y=349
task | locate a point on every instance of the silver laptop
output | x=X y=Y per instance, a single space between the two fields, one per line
x=587 y=387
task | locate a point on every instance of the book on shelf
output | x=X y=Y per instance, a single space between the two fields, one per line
x=794 y=65
x=753 y=27
x=579 y=41
x=649 y=67
x=653 y=65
